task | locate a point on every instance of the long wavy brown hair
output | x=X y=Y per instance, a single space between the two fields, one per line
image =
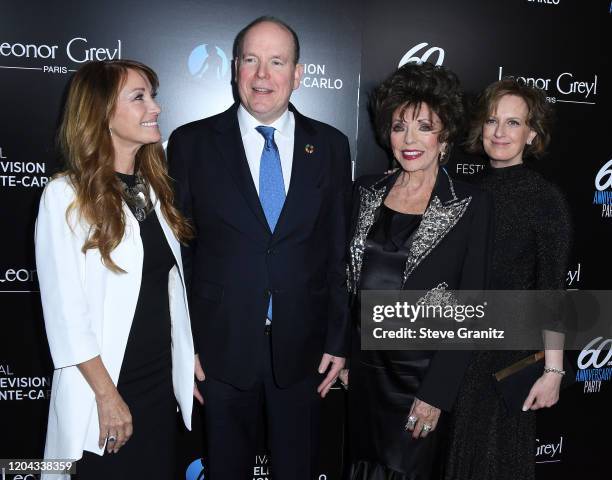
x=86 y=143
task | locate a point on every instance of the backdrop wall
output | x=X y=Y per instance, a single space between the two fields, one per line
x=347 y=48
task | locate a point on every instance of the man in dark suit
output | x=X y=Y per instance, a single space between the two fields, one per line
x=267 y=190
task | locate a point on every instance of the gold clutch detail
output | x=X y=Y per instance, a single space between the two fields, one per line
x=518 y=366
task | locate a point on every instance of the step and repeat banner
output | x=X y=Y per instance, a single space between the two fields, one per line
x=347 y=48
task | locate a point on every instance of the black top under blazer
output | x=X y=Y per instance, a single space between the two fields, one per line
x=458 y=254
x=236 y=262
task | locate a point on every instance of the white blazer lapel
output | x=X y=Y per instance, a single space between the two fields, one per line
x=175 y=246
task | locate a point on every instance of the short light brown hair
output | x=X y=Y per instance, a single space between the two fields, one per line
x=539 y=116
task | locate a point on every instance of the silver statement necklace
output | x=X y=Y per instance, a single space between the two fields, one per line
x=137 y=197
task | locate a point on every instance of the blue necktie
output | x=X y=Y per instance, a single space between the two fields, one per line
x=271 y=184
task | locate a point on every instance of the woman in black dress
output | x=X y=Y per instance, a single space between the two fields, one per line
x=111 y=281
x=531 y=248
x=415 y=229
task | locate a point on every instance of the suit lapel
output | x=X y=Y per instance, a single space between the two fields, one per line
x=305 y=170
x=305 y=176
x=229 y=144
x=442 y=214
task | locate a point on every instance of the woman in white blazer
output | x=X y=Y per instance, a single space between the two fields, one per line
x=112 y=284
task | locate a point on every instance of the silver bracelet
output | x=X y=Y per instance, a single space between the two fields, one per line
x=554 y=370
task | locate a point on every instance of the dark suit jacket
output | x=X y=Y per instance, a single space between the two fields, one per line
x=236 y=262
x=460 y=234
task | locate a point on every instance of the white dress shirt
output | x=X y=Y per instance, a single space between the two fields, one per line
x=253 y=142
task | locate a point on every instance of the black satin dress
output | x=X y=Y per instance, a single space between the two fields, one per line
x=145 y=380
x=383 y=383
x=531 y=249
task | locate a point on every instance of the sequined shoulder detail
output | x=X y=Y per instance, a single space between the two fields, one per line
x=438 y=296
x=437 y=221
x=369 y=201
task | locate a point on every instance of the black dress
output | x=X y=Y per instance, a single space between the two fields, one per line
x=145 y=380
x=531 y=248
x=445 y=248
x=383 y=385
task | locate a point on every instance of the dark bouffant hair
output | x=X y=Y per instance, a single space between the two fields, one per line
x=413 y=85
x=539 y=118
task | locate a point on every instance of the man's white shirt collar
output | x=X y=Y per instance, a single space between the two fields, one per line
x=248 y=123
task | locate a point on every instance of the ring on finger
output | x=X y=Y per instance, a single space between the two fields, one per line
x=427 y=427
x=111 y=438
x=411 y=422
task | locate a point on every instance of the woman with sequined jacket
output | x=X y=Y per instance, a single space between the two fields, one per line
x=414 y=229
x=111 y=281
x=531 y=246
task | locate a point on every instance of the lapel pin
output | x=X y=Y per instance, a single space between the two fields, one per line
x=309 y=148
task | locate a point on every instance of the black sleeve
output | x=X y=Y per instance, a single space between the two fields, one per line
x=338 y=311
x=553 y=245
x=179 y=156
x=553 y=241
x=445 y=374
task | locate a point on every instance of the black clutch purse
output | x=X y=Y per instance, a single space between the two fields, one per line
x=515 y=381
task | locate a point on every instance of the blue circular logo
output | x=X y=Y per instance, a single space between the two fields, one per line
x=208 y=61
x=195 y=470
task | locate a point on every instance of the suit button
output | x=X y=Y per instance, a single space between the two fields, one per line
x=270 y=251
x=267 y=292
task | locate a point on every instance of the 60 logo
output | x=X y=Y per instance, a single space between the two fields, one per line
x=590 y=355
x=605 y=171
x=412 y=57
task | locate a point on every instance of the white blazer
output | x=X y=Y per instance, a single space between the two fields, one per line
x=88 y=311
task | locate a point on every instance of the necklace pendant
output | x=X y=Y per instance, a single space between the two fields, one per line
x=140 y=214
